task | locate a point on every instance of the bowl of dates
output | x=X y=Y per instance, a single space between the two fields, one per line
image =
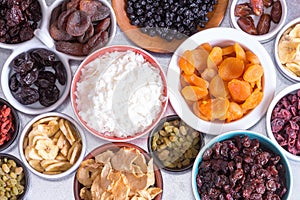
x=241 y=165
x=174 y=145
x=9 y=124
x=19 y=20
x=77 y=28
x=52 y=145
x=282 y=121
x=261 y=19
x=287 y=51
x=220 y=79
x=36 y=80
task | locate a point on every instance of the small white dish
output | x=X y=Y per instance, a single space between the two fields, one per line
x=274 y=28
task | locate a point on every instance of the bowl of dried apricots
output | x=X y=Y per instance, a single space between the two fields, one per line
x=221 y=80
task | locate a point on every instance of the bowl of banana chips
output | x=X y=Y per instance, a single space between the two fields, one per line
x=52 y=145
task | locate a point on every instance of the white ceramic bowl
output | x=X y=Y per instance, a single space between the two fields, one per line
x=263 y=140
x=28 y=128
x=43 y=32
x=285 y=72
x=292 y=89
x=111 y=49
x=220 y=37
x=274 y=28
x=36 y=108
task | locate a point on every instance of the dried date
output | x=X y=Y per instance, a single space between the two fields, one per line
x=264 y=24
x=276 y=12
x=247 y=25
x=243 y=9
x=267 y=3
x=257 y=7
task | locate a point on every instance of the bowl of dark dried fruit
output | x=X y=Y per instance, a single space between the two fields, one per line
x=283 y=121
x=261 y=19
x=19 y=20
x=174 y=145
x=77 y=28
x=9 y=124
x=36 y=80
x=241 y=165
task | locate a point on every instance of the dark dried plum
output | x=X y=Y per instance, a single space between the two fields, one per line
x=27 y=95
x=45 y=79
x=29 y=77
x=14 y=83
x=43 y=56
x=78 y=22
x=60 y=72
x=48 y=96
x=23 y=63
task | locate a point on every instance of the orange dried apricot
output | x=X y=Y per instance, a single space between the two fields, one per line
x=217 y=87
x=209 y=73
x=200 y=56
x=253 y=73
x=214 y=57
x=194 y=93
x=231 y=68
x=205 y=109
x=239 y=52
x=253 y=100
x=234 y=112
x=195 y=80
x=227 y=50
x=251 y=57
x=205 y=46
x=239 y=90
x=186 y=63
x=219 y=108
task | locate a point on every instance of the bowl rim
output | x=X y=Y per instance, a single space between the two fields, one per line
x=159 y=125
x=75 y=165
x=17 y=123
x=286 y=73
x=261 y=38
x=118 y=145
x=229 y=36
x=288 y=90
x=251 y=134
x=25 y=170
x=122 y=48
x=27 y=109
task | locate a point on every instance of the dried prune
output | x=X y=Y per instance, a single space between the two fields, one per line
x=23 y=63
x=29 y=77
x=276 y=12
x=43 y=56
x=48 y=96
x=78 y=22
x=45 y=79
x=60 y=72
x=14 y=83
x=247 y=25
x=264 y=24
x=27 y=95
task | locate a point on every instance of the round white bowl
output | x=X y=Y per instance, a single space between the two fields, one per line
x=274 y=28
x=36 y=108
x=44 y=36
x=288 y=90
x=120 y=48
x=27 y=128
x=285 y=72
x=220 y=37
x=263 y=140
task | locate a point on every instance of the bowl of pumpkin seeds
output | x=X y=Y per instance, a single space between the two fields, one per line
x=174 y=145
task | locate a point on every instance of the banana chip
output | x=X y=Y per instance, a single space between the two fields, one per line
x=36 y=164
x=58 y=166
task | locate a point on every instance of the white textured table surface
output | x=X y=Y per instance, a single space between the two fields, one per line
x=176 y=185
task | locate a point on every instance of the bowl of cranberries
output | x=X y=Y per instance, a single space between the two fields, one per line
x=241 y=165
x=35 y=80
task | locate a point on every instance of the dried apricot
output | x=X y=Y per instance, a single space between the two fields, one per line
x=234 y=112
x=252 y=58
x=194 y=93
x=195 y=80
x=205 y=109
x=208 y=74
x=239 y=52
x=239 y=90
x=186 y=63
x=219 y=108
x=214 y=57
x=231 y=68
x=253 y=73
x=200 y=56
x=217 y=87
x=253 y=100
x=227 y=50
x=205 y=46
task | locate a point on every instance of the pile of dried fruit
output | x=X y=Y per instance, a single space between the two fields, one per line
x=6 y=124
x=221 y=83
x=258 y=8
x=52 y=145
x=34 y=77
x=80 y=26
x=18 y=20
x=117 y=174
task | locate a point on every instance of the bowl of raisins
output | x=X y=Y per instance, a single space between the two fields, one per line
x=19 y=20
x=241 y=165
x=282 y=121
x=36 y=80
x=261 y=19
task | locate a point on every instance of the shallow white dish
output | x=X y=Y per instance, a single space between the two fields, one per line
x=220 y=37
x=286 y=73
x=274 y=28
x=288 y=90
x=36 y=108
